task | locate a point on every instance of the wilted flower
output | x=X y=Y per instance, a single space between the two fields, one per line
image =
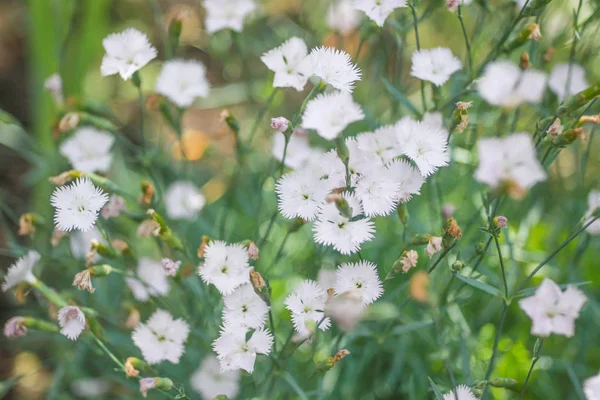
x=147 y=228
x=183 y=200
x=409 y=260
x=182 y=81
x=330 y=113
x=434 y=65
x=83 y=280
x=235 y=351
x=290 y=63
x=126 y=52
x=72 y=321
x=170 y=267
x=210 y=382
x=15 y=327
x=77 y=205
x=161 y=338
x=378 y=10
x=434 y=245
x=89 y=149
x=555 y=128
x=21 y=270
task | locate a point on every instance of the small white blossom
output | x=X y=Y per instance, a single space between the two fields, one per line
x=126 y=52
x=77 y=205
x=346 y=309
x=378 y=10
x=21 y=270
x=504 y=84
x=593 y=204
x=72 y=321
x=461 y=392
x=300 y=194
x=225 y=265
x=307 y=304
x=183 y=200
x=361 y=276
x=382 y=143
x=290 y=63
x=161 y=338
x=244 y=308
x=591 y=388
x=88 y=149
x=434 y=65
x=335 y=68
x=425 y=144
x=565 y=80
x=408 y=178
x=508 y=160
x=227 y=14
x=553 y=311
x=234 y=352
x=378 y=191
x=343 y=17
x=151 y=280
x=329 y=114
x=210 y=382
x=182 y=81
x=344 y=233
x=170 y=267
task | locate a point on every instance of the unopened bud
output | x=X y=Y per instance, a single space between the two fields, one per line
x=457 y=266
x=147 y=193
x=258 y=283
x=403 y=214
x=280 y=124
x=420 y=239
x=508 y=383
x=342 y=149
x=341 y=204
x=69 y=122
x=568 y=137
x=579 y=99
x=253 y=251
x=202 y=248
x=500 y=221
x=555 y=128
x=525 y=63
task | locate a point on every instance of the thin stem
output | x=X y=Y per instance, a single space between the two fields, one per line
x=416 y=26
x=501 y=264
x=491 y=365
x=467 y=44
x=440 y=258
x=534 y=360
x=272 y=324
x=260 y=116
x=108 y=352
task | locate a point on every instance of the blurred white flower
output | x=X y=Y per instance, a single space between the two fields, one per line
x=88 y=149
x=343 y=17
x=378 y=10
x=593 y=204
x=361 y=276
x=72 y=321
x=461 y=392
x=90 y=387
x=290 y=63
x=346 y=309
x=408 y=178
x=151 y=280
x=210 y=382
x=299 y=152
x=508 y=161
x=326 y=278
x=300 y=194
x=81 y=243
x=565 y=80
x=15 y=327
x=77 y=205
x=114 y=207
x=423 y=143
x=434 y=65
x=591 y=388
x=182 y=81
x=553 y=311
x=344 y=233
x=147 y=384
x=244 y=308
x=378 y=191
x=21 y=270
x=183 y=200
x=54 y=86
x=329 y=114
x=504 y=84
x=382 y=143
x=170 y=267
x=234 y=352
x=126 y=52
x=227 y=14
x=161 y=338
x=307 y=303
x=452 y=5
x=335 y=68
x=225 y=265
x=434 y=119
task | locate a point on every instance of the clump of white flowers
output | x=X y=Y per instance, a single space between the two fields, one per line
x=307 y=305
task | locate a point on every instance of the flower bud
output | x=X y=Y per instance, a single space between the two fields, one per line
x=555 y=128
x=568 y=137
x=531 y=32
x=170 y=267
x=420 y=239
x=280 y=124
x=403 y=214
x=133 y=319
x=508 y=383
x=28 y=223
x=457 y=265
x=147 y=193
x=578 y=100
x=147 y=384
x=341 y=204
x=525 y=63
x=231 y=121
x=253 y=251
x=330 y=362
x=258 y=283
x=500 y=221
x=205 y=241
x=69 y=122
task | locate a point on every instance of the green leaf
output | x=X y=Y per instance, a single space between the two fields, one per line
x=480 y=285
x=400 y=97
x=436 y=391
x=402 y=329
x=292 y=382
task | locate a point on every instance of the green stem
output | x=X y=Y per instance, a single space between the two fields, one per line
x=467 y=44
x=495 y=236
x=534 y=360
x=49 y=294
x=416 y=26
x=260 y=115
x=491 y=365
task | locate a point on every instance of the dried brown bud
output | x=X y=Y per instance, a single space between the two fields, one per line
x=409 y=260
x=452 y=228
x=549 y=53
x=62 y=179
x=147 y=193
x=120 y=245
x=339 y=355
x=148 y=228
x=152 y=103
x=131 y=365
x=525 y=63
x=83 y=280
x=26 y=226
x=69 y=122
x=205 y=241
x=464 y=105
x=257 y=280
x=535 y=33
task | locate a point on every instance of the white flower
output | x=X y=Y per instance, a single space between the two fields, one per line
x=329 y=114
x=91 y=387
x=88 y=149
x=307 y=303
x=72 y=321
x=210 y=382
x=152 y=280
x=382 y=143
x=126 y=52
x=425 y=144
x=593 y=204
x=343 y=17
x=461 y=392
x=378 y=10
x=346 y=309
x=434 y=119
x=335 y=68
x=181 y=81
x=183 y=200
x=21 y=270
x=508 y=160
x=244 y=308
x=591 y=388
x=170 y=267
x=290 y=63
x=161 y=338
x=552 y=310
x=331 y=168
x=434 y=65
x=299 y=152
x=378 y=191
x=344 y=233
x=408 y=178
x=77 y=205
x=300 y=194
x=81 y=243
x=114 y=207
x=361 y=276
x=225 y=265
x=565 y=80
x=504 y=84
x=227 y=14
x=234 y=352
